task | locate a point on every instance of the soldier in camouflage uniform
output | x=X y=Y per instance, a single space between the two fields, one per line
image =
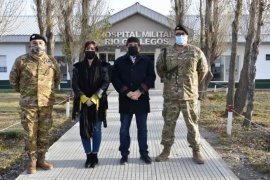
x=182 y=68
x=35 y=75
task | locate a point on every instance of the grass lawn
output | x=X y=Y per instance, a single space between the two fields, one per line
x=11 y=139
x=254 y=142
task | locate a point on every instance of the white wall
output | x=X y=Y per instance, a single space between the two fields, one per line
x=11 y=51
x=262 y=65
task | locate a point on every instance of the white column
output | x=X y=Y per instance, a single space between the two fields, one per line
x=117 y=53
x=67 y=106
x=229 y=123
x=158 y=84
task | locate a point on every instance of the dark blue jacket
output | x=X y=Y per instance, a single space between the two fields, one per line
x=128 y=76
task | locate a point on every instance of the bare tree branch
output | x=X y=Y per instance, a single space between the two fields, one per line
x=10 y=10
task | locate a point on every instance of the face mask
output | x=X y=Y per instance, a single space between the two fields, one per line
x=37 y=49
x=90 y=54
x=181 y=40
x=133 y=50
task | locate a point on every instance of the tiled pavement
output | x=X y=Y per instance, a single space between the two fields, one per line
x=68 y=157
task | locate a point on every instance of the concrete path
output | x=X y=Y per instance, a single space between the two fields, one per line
x=68 y=157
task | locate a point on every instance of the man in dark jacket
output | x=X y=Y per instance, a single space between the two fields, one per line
x=132 y=76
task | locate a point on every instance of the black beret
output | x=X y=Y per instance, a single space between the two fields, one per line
x=181 y=27
x=133 y=39
x=37 y=36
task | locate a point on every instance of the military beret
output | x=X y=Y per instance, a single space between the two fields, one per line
x=37 y=36
x=181 y=27
x=133 y=39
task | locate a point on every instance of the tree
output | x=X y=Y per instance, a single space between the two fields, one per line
x=207 y=46
x=214 y=22
x=10 y=10
x=179 y=9
x=202 y=40
x=235 y=30
x=44 y=13
x=50 y=27
x=252 y=67
x=94 y=22
x=242 y=89
x=65 y=24
x=75 y=29
x=84 y=24
x=40 y=13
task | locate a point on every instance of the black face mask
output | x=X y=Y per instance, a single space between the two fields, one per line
x=90 y=54
x=133 y=50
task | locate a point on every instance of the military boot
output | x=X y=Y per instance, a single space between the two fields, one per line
x=31 y=165
x=165 y=155
x=198 y=157
x=42 y=163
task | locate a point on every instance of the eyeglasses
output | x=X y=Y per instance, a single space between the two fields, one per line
x=180 y=34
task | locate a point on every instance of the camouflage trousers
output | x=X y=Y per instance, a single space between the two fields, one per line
x=36 y=121
x=170 y=113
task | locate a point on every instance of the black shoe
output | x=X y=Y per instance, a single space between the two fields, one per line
x=146 y=159
x=88 y=160
x=94 y=160
x=124 y=160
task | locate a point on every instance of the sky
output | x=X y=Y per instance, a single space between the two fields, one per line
x=160 y=6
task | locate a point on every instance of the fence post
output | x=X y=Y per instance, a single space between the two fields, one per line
x=67 y=105
x=199 y=106
x=215 y=88
x=226 y=89
x=230 y=116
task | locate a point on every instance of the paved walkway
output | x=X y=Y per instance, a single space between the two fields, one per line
x=68 y=157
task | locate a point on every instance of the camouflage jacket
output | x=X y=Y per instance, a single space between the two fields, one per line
x=181 y=72
x=35 y=78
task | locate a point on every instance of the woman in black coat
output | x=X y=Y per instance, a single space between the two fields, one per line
x=90 y=82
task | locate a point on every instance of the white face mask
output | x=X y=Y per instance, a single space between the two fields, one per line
x=181 y=40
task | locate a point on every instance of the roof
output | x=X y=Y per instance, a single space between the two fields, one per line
x=24 y=25
x=138 y=8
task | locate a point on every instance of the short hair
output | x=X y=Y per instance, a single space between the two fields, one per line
x=133 y=39
x=88 y=43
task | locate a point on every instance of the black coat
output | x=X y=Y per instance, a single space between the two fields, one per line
x=88 y=81
x=128 y=76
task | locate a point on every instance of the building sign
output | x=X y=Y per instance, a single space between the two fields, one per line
x=145 y=37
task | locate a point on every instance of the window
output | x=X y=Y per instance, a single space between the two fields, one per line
x=3 y=63
x=267 y=57
x=220 y=69
x=108 y=57
x=111 y=58
x=102 y=56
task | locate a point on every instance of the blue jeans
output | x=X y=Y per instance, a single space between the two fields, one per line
x=96 y=139
x=141 y=133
